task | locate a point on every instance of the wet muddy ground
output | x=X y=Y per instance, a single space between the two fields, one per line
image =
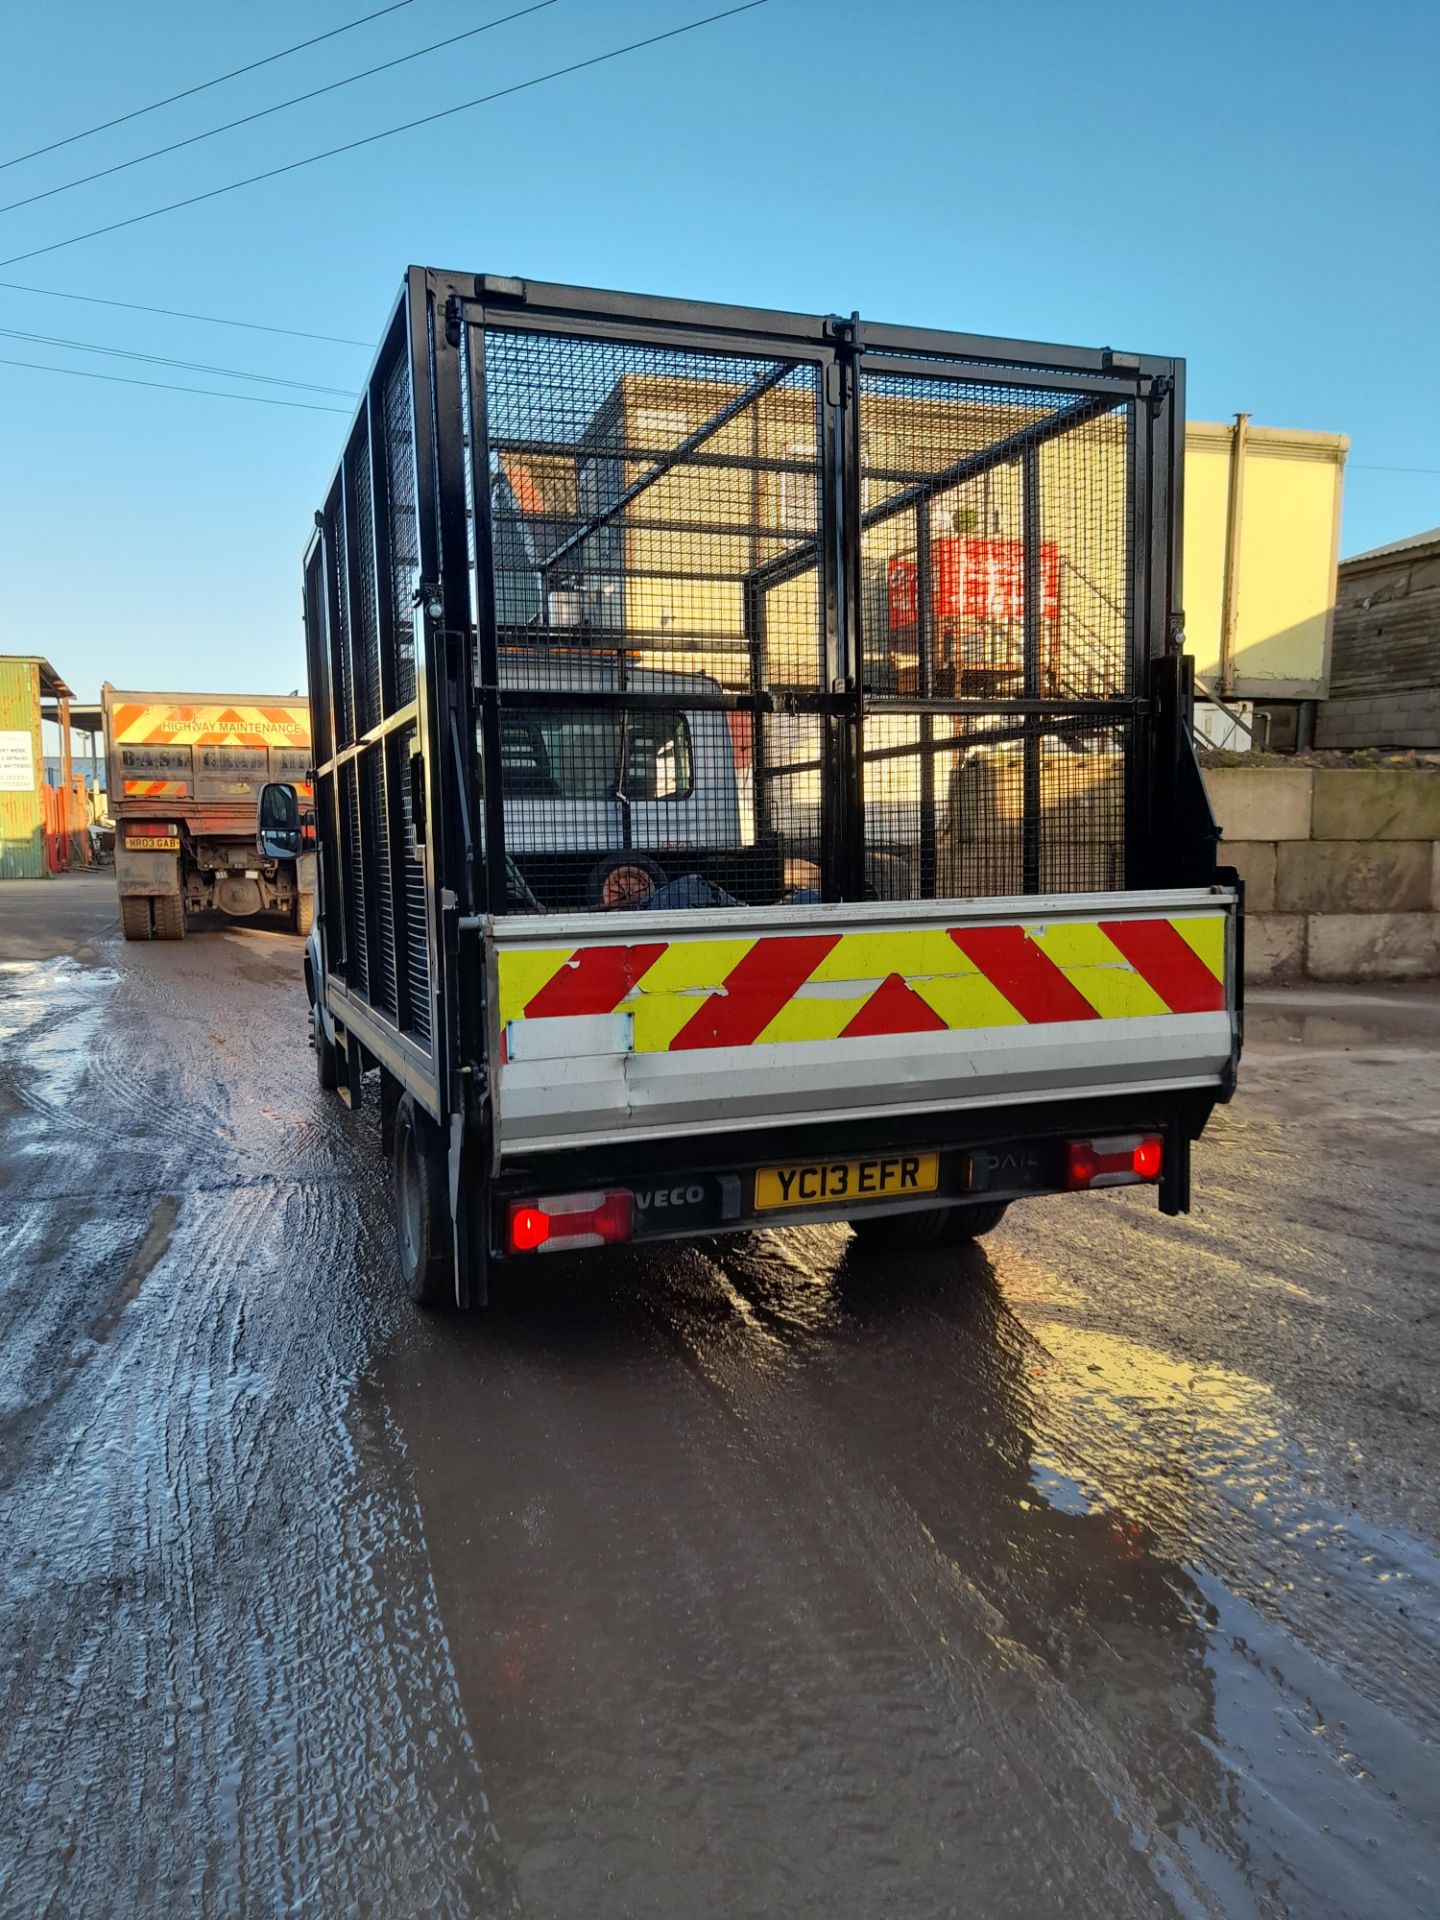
x=1091 y=1573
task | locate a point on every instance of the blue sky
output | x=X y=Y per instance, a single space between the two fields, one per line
x=1250 y=185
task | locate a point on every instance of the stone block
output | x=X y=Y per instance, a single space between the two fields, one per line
x=1261 y=803
x=1254 y=860
x=1376 y=804
x=1274 y=946
x=1373 y=946
x=1354 y=876
x=1435 y=877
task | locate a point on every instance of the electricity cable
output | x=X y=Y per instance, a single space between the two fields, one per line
x=166 y=386
x=164 y=360
x=185 y=92
x=181 y=313
x=261 y=113
x=388 y=133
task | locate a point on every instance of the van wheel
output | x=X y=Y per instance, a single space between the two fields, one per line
x=304 y=915
x=969 y=1223
x=135 y=918
x=327 y=1057
x=930 y=1227
x=169 y=910
x=419 y=1179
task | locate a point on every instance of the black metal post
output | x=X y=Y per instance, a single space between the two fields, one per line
x=487 y=631
x=1033 y=790
x=925 y=670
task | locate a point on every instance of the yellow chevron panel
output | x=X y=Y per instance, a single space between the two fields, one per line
x=676 y=986
x=523 y=973
x=1204 y=934
x=926 y=958
x=1095 y=967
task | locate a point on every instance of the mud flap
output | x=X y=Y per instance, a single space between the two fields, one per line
x=352 y=1069
x=469 y=1214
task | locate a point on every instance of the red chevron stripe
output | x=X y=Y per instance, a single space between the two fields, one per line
x=894 y=1008
x=596 y=981
x=1024 y=973
x=1169 y=963
x=755 y=991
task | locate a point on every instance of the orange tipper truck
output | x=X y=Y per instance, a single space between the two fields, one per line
x=185 y=774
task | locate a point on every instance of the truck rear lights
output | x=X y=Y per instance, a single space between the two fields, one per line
x=568 y=1220
x=1119 y=1160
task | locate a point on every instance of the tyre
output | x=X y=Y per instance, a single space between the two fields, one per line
x=419 y=1185
x=169 y=911
x=967 y=1223
x=304 y=916
x=930 y=1227
x=327 y=1057
x=135 y=918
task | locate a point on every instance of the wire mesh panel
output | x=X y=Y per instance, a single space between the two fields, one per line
x=353 y=854
x=995 y=562
x=638 y=494
x=382 y=946
x=413 y=956
x=367 y=612
x=404 y=528
x=342 y=664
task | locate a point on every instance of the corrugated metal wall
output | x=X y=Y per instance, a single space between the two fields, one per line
x=22 y=837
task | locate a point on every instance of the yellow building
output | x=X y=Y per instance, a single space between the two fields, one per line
x=1262 y=536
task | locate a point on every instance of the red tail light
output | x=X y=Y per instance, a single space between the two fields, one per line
x=569 y=1220
x=1122 y=1161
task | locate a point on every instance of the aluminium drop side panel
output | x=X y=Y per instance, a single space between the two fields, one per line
x=667 y=1024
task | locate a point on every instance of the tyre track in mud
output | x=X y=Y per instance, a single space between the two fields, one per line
x=223 y=1683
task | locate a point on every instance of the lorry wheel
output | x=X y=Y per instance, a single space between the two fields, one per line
x=304 y=914
x=327 y=1058
x=419 y=1183
x=932 y=1227
x=169 y=911
x=135 y=918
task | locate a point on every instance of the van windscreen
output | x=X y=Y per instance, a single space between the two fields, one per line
x=566 y=754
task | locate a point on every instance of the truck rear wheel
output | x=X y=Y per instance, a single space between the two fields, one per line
x=932 y=1227
x=304 y=914
x=420 y=1190
x=135 y=917
x=169 y=910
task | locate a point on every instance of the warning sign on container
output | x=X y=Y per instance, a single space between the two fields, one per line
x=17 y=763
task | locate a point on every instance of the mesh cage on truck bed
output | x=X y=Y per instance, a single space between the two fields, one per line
x=619 y=602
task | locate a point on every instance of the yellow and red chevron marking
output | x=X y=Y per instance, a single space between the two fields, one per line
x=155 y=789
x=248 y=724
x=759 y=990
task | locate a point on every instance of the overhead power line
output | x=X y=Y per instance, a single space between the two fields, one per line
x=180 y=313
x=388 y=133
x=166 y=386
x=261 y=113
x=1365 y=466
x=163 y=360
x=185 y=93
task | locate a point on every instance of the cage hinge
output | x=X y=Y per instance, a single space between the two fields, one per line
x=1161 y=387
x=500 y=286
x=454 y=316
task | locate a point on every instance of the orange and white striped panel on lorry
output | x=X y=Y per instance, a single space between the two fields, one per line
x=762 y=990
x=156 y=789
x=220 y=724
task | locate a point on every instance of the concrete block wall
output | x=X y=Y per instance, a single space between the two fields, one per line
x=1341 y=869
